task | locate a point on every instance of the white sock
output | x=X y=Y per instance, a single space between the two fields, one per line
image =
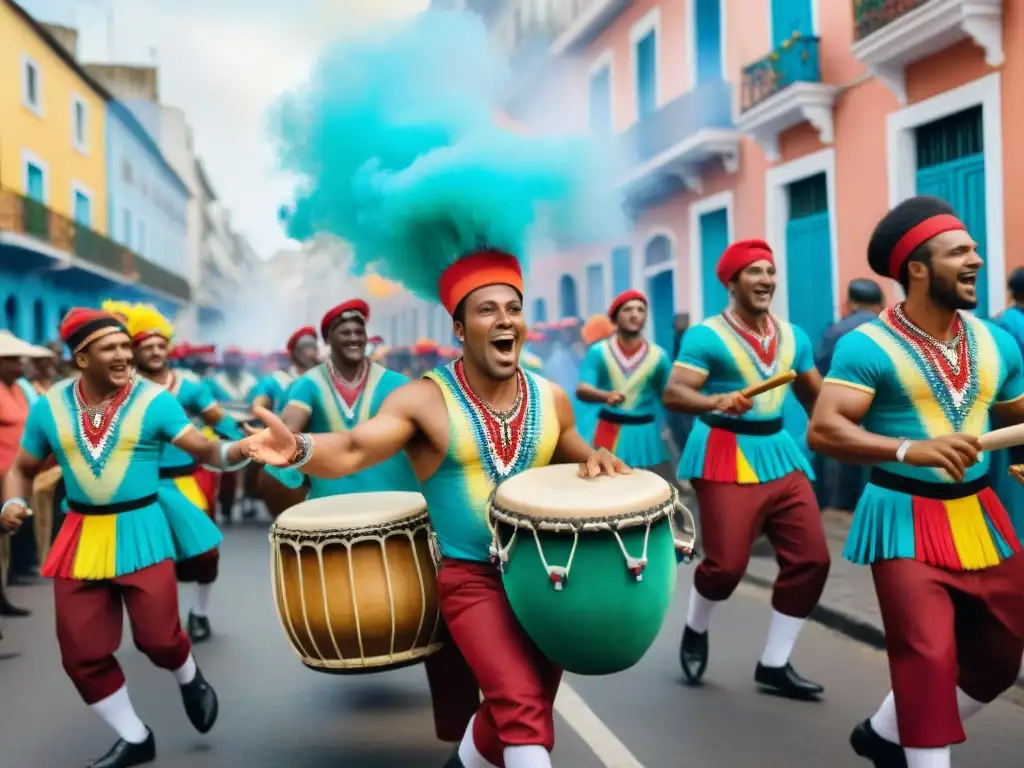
x=782 y=634
x=468 y=753
x=186 y=673
x=933 y=757
x=202 y=601
x=698 y=614
x=532 y=756
x=968 y=707
x=883 y=722
x=117 y=712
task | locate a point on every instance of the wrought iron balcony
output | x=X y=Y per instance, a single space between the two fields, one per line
x=69 y=240
x=795 y=61
x=869 y=16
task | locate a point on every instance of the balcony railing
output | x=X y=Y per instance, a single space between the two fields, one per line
x=795 y=61
x=25 y=216
x=707 y=106
x=869 y=16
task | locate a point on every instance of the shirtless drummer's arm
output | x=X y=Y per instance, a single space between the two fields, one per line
x=339 y=454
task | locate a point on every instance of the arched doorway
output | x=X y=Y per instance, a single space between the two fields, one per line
x=659 y=271
x=568 y=297
x=540 y=311
x=39 y=329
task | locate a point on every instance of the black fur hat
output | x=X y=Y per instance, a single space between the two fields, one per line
x=904 y=228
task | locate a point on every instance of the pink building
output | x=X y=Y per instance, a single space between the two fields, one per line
x=798 y=121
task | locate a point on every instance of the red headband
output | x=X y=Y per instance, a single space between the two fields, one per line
x=300 y=334
x=624 y=297
x=741 y=255
x=354 y=309
x=475 y=271
x=918 y=234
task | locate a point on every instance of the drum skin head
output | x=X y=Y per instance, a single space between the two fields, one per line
x=353 y=510
x=557 y=492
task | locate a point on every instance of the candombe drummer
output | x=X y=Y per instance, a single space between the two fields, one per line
x=231 y=386
x=749 y=474
x=117 y=546
x=302 y=350
x=909 y=393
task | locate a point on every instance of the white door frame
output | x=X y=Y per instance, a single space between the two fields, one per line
x=701 y=207
x=777 y=181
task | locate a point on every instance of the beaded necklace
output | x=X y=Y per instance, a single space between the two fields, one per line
x=628 y=361
x=504 y=433
x=763 y=344
x=947 y=366
x=96 y=422
x=348 y=389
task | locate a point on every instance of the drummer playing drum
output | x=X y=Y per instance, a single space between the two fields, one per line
x=467 y=427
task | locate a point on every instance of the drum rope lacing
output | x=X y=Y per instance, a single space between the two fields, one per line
x=558 y=576
x=296 y=540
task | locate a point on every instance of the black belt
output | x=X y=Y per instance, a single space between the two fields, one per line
x=111 y=509
x=617 y=417
x=742 y=426
x=169 y=473
x=926 y=489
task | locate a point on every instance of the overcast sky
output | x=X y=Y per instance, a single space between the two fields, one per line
x=224 y=62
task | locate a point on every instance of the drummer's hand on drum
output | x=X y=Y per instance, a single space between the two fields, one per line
x=274 y=445
x=603 y=462
x=733 y=404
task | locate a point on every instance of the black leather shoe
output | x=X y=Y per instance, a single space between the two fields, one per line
x=199 y=628
x=786 y=682
x=455 y=761
x=693 y=655
x=124 y=754
x=12 y=611
x=882 y=753
x=201 y=703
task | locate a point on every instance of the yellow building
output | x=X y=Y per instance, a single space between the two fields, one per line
x=53 y=143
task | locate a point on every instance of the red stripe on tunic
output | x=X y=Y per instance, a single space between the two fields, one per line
x=606 y=434
x=999 y=518
x=720 y=456
x=933 y=538
x=60 y=563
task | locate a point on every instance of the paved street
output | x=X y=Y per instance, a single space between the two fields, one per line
x=275 y=713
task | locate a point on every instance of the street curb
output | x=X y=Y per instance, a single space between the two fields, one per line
x=841 y=622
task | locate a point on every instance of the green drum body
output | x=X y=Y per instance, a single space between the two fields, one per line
x=592 y=578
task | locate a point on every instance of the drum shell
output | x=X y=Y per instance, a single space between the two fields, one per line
x=277 y=496
x=603 y=620
x=361 y=606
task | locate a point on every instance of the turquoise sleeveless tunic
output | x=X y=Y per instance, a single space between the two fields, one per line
x=458 y=492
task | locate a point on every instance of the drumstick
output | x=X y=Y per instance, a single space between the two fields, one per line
x=769 y=384
x=1007 y=437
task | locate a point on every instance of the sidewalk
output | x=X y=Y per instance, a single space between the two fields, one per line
x=848 y=604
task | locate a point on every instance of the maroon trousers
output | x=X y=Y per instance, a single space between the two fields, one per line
x=732 y=516
x=945 y=629
x=90 y=621
x=517 y=681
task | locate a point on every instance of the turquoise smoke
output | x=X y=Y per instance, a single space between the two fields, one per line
x=396 y=140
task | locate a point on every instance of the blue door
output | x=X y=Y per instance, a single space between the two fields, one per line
x=35 y=185
x=540 y=311
x=789 y=16
x=646 y=75
x=714 y=239
x=622 y=270
x=708 y=18
x=951 y=165
x=597 y=302
x=661 y=291
x=809 y=257
x=568 y=301
x=601 y=102
x=961 y=183
x=83 y=210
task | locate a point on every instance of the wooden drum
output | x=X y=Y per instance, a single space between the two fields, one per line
x=355 y=581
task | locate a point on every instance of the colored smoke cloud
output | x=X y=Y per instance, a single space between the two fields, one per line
x=396 y=140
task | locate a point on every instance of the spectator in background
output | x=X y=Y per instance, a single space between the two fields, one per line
x=840 y=485
x=1008 y=489
x=864 y=302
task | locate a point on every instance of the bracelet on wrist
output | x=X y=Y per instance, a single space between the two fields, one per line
x=16 y=500
x=303 y=450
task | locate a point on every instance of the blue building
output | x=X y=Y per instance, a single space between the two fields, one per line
x=147 y=206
